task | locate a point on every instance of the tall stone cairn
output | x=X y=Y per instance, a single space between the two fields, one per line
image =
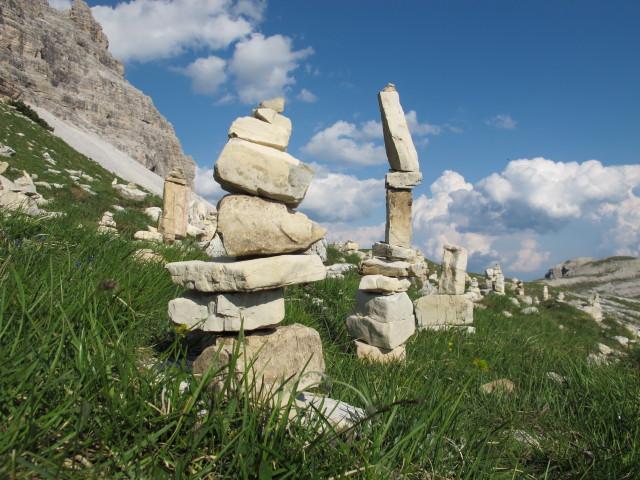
x=263 y=237
x=383 y=317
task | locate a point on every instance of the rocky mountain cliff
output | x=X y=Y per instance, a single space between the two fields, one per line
x=58 y=60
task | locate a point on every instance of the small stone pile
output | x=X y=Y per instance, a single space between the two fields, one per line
x=383 y=316
x=494 y=280
x=107 y=224
x=263 y=237
x=450 y=307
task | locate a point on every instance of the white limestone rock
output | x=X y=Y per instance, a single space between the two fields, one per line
x=364 y=351
x=394 y=252
x=382 y=284
x=276 y=104
x=274 y=356
x=401 y=152
x=322 y=411
x=388 y=335
x=263 y=133
x=319 y=248
x=443 y=310
x=251 y=225
x=383 y=308
x=130 y=192
x=392 y=268
x=215 y=248
x=245 y=167
x=402 y=180
x=154 y=213
x=228 y=312
x=454 y=270
x=337 y=270
x=6 y=151
x=148 y=236
x=226 y=275
x=271 y=116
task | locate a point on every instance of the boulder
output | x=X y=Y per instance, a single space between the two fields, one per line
x=228 y=312
x=383 y=284
x=402 y=180
x=245 y=167
x=226 y=275
x=268 y=357
x=401 y=152
x=443 y=310
x=257 y=131
x=251 y=225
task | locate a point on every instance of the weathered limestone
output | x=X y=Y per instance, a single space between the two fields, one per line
x=494 y=280
x=378 y=354
x=401 y=152
x=255 y=226
x=443 y=310
x=225 y=275
x=384 y=308
x=398 y=226
x=383 y=284
x=545 y=293
x=276 y=104
x=594 y=308
x=395 y=252
x=228 y=312
x=271 y=116
x=245 y=167
x=267 y=357
x=129 y=191
x=402 y=180
x=392 y=268
x=175 y=206
x=258 y=131
x=454 y=270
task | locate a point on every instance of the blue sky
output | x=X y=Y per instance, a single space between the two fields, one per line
x=525 y=114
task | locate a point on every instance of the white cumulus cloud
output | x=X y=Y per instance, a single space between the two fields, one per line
x=145 y=30
x=263 y=65
x=306 y=96
x=206 y=186
x=206 y=73
x=529 y=258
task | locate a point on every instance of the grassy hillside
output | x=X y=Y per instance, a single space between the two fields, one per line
x=94 y=380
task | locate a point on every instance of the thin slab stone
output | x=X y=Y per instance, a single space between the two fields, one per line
x=245 y=167
x=398 y=226
x=402 y=180
x=226 y=275
x=401 y=152
x=228 y=312
x=394 y=252
x=383 y=284
x=263 y=133
x=392 y=268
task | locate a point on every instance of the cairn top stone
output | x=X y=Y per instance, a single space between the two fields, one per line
x=401 y=152
x=258 y=131
x=276 y=104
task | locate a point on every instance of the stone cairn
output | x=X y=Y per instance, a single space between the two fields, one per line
x=494 y=280
x=383 y=316
x=262 y=236
x=450 y=307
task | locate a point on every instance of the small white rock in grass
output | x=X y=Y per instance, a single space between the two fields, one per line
x=507 y=314
x=530 y=310
x=597 y=359
x=525 y=438
x=560 y=379
x=6 y=151
x=604 y=349
x=118 y=208
x=320 y=410
x=51 y=170
x=515 y=301
x=338 y=270
x=624 y=341
x=154 y=213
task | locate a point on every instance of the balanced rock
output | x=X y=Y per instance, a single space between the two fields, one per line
x=398 y=225
x=251 y=225
x=276 y=104
x=274 y=356
x=263 y=133
x=245 y=167
x=443 y=310
x=271 y=116
x=228 y=312
x=401 y=152
x=383 y=284
x=226 y=275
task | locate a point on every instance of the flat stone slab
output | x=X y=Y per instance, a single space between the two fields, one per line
x=228 y=312
x=321 y=410
x=387 y=335
x=258 y=131
x=392 y=268
x=267 y=356
x=382 y=284
x=252 y=225
x=227 y=275
x=402 y=180
x=395 y=252
x=443 y=310
x=401 y=152
x=245 y=167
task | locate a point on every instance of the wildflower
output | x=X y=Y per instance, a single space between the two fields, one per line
x=78 y=263
x=481 y=364
x=91 y=259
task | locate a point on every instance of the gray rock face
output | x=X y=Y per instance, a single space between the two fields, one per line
x=58 y=60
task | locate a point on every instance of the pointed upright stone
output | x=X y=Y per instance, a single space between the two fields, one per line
x=401 y=152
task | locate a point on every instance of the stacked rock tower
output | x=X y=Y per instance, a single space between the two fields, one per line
x=262 y=236
x=383 y=316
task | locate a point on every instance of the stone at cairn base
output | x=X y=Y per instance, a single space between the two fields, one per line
x=269 y=357
x=384 y=285
x=381 y=355
x=225 y=275
x=228 y=312
x=443 y=310
x=379 y=333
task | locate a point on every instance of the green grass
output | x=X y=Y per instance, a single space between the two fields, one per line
x=91 y=372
